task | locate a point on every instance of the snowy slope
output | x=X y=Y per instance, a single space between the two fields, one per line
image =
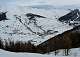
x=15 y=30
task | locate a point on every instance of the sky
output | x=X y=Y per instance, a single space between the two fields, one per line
x=36 y=2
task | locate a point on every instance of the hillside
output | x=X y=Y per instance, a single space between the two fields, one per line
x=32 y=28
x=39 y=28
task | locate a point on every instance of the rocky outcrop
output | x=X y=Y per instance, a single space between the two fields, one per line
x=3 y=16
x=31 y=16
x=72 y=18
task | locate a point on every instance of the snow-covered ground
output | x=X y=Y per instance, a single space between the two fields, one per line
x=13 y=29
x=11 y=54
x=73 y=53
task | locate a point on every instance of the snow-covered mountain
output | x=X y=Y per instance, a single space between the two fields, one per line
x=36 y=21
x=29 y=24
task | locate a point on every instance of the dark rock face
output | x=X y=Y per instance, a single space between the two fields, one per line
x=74 y=15
x=67 y=40
x=3 y=16
x=31 y=16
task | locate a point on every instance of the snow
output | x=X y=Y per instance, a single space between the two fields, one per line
x=11 y=54
x=73 y=53
x=13 y=29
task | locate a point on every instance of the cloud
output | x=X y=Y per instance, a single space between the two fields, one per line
x=36 y=2
x=62 y=2
x=50 y=2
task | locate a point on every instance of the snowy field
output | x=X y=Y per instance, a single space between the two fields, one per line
x=74 y=53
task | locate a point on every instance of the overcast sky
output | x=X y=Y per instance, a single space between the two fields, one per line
x=40 y=2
